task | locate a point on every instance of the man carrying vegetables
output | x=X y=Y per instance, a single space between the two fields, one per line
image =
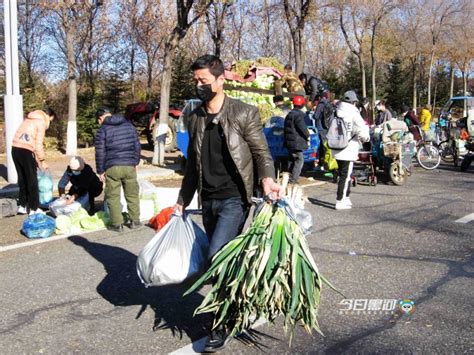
x=226 y=147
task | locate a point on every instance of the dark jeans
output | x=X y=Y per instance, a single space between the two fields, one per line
x=223 y=220
x=296 y=165
x=344 y=171
x=25 y=165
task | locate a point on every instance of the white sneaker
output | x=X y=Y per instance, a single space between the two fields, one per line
x=21 y=210
x=347 y=201
x=342 y=205
x=39 y=210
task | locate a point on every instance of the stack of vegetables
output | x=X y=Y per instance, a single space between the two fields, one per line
x=266 y=272
x=264 y=102
x=80 y=221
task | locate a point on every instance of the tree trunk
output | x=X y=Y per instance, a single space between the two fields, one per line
x=132 y=73
x=430 y=77
x=298 y=48
x=374 y=87
x=465 y=75
x=218 y=48
x=362 y=72
x=434 y=97
x=149 y=77
x=451 y=83
x=71 y=143
x=374 y=67
x=266 y=26
x=160 y=129
x=415 y=94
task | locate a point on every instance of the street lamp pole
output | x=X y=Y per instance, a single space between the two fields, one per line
x=12 y=99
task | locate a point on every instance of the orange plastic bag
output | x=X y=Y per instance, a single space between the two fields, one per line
x=160 y=220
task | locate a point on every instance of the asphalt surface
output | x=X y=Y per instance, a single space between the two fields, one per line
x=82 y=294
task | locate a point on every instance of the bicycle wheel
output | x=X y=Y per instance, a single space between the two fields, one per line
x=398 y=177
x=446 y=151
x=428 y=157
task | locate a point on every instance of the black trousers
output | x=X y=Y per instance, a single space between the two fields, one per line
x=296 y=165
x=25 y=164
x=344 y=171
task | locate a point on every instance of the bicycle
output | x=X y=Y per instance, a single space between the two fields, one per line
x=427 y=154
x=447 y=148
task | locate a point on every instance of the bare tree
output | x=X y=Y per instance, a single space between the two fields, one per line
x=216 y=20
x=150 y=37
x=72 y=20
x=410 y=33
x=30 y=33
x=354 y=24
x=183 y=9
x=462 y=50
x=239 y=16
x=378 y=10
x=440 y=13
x=297 y=12
x=129 y=10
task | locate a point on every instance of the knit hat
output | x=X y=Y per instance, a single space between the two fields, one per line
x=405 y=108
x=76 y=163
x=350 y=96
x=102 y=111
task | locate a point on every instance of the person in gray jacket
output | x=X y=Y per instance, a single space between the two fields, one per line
x=357 y=130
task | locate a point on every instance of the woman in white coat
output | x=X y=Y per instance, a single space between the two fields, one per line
x=357 y=130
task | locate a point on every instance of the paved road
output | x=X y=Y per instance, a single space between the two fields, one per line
x=82 y=294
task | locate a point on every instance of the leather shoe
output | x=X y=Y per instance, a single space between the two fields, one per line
x=218 y=340
x=135 y=225
x=115 y=228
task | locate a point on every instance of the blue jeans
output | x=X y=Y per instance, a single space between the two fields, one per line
x=223 y=220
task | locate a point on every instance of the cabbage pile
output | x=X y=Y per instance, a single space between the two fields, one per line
x=264 y=102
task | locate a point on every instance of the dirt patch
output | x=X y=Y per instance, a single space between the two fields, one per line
x=173 y=181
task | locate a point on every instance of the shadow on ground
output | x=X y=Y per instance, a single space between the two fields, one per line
x=122 y=288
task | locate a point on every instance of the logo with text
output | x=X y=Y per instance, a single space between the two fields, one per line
x=368 y=306
x=377 y=306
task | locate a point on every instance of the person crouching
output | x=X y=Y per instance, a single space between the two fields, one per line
x=86 y=185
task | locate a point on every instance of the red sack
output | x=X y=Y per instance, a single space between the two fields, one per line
x=161 y=218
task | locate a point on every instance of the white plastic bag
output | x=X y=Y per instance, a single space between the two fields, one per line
x=58 y=207
x=176 y=252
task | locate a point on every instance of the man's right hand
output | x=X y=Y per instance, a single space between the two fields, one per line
x=178 y=207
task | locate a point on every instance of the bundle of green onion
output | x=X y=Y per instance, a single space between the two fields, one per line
x=266 y=272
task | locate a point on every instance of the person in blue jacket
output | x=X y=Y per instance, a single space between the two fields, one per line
x=296 y=138
x=117 y=155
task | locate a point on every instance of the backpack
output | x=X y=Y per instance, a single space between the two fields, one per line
x=9 y=207
x=337 y=136
x=329 y=111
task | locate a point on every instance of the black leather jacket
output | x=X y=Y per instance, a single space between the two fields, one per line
x=245 y=140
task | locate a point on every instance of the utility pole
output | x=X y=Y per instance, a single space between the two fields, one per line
x=12 y=99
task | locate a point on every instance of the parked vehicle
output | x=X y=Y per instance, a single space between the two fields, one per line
x=457 y=113
x=394 y=158
x=274 y=135
x=143 y=115
x=276 y=143
x=427 y=153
